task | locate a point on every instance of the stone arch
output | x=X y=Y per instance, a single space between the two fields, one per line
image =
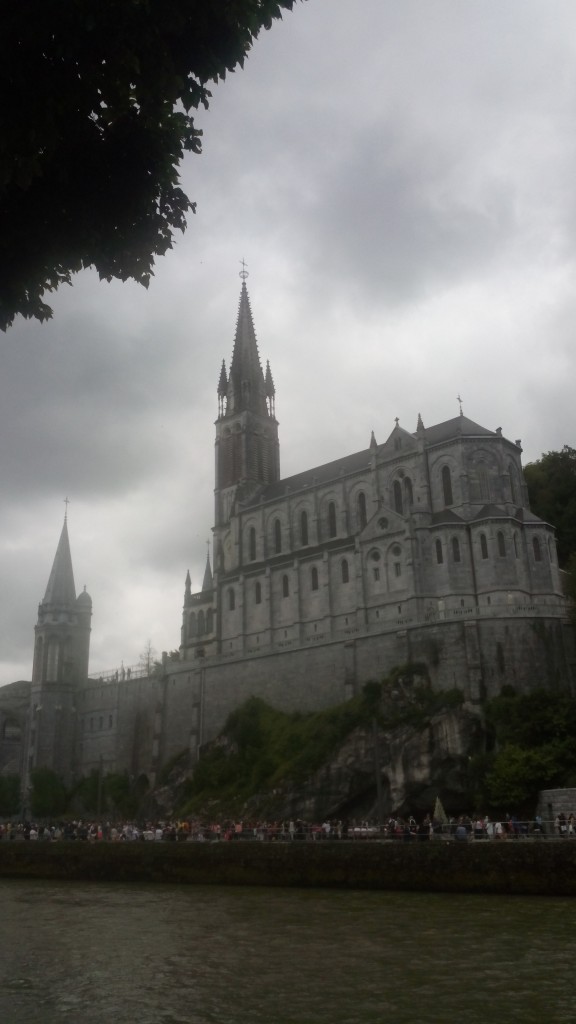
x=397 y=500
x=447 y=489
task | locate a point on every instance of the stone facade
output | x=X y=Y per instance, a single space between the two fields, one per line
x=420 y=549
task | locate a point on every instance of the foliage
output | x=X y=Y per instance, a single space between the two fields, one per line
x=9 y=795
x=533 y=737
x=262 y=748
x=517 y=773
x=179 y=762
x=123 y=795
x=118 y=795
x=48 y=797
x=552 y=491
x=88 y=792
x=95 y=121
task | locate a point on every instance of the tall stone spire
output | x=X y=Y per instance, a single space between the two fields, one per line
x=247 y=448
x=61 y=591
x=61 y=652
x=246 y=383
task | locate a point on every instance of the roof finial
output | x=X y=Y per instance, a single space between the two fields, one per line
x=460 y=401
x=396 y=420
x=66 y=502
x=243 y=272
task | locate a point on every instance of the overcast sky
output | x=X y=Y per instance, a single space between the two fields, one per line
x=400 y=176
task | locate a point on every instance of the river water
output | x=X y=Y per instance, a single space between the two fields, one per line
x=132 y=954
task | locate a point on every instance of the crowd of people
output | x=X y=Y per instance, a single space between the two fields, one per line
x=462 y=829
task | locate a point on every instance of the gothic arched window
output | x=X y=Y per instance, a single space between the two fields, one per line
x=397 y=490
x=483 y=545
x=514 y=486
x=332 y=519
x=314 y=578
x=258 y=593
x=200 y=623
x=447 y=485
x=408 y=492
x=277 y=536
x=439 y=553
x=501 y=544
x=285 y=586
x=231 y=600
x=345 y=571
x=209 y=620
x=455 y=549
x=53 y=662
x=252 y=544
x=483 y=481
x=303 y=528
x=361 y=504
x=537 y=549
x=192 y=624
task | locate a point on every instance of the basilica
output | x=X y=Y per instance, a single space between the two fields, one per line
x=419 y=549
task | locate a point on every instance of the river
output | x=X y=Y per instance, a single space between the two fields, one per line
x=133 y=954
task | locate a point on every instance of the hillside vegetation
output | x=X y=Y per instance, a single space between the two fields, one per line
x=262 y=749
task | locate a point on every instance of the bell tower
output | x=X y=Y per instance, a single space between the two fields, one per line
x=61 y=651
x=247 y=448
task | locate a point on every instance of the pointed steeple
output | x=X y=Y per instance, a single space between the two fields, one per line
x=247 y=448
x=61 y=591
x=187 y=590
x=207 y=583
x=222 y=390
x=373 y=443
x=246 y=384
x=270 y=389
x=223 y=382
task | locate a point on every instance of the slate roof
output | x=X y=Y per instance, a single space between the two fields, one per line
x=446 y=515
x=319 y=475
x=61 y=590
x=459 y=426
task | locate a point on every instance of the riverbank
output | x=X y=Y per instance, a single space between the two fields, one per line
x=515 y=867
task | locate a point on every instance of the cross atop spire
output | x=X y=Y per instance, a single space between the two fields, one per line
x=243 y=272
x=459 y=400
x=66 y=502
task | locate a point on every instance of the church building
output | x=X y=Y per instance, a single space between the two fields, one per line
x=420 y=549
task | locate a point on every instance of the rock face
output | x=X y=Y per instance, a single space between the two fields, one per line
x=416 y=764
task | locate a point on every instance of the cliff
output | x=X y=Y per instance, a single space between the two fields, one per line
x=415 y=763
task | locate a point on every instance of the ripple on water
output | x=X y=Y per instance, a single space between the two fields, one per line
x=186 y=955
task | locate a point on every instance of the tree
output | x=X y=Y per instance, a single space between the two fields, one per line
x=94 y=122
x=9 y=794
x=552 y=491
x=147 y=659
x=48 y=796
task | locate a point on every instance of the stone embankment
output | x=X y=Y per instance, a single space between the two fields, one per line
x=515 y=867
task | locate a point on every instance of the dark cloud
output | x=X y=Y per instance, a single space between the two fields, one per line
x=399 y=178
